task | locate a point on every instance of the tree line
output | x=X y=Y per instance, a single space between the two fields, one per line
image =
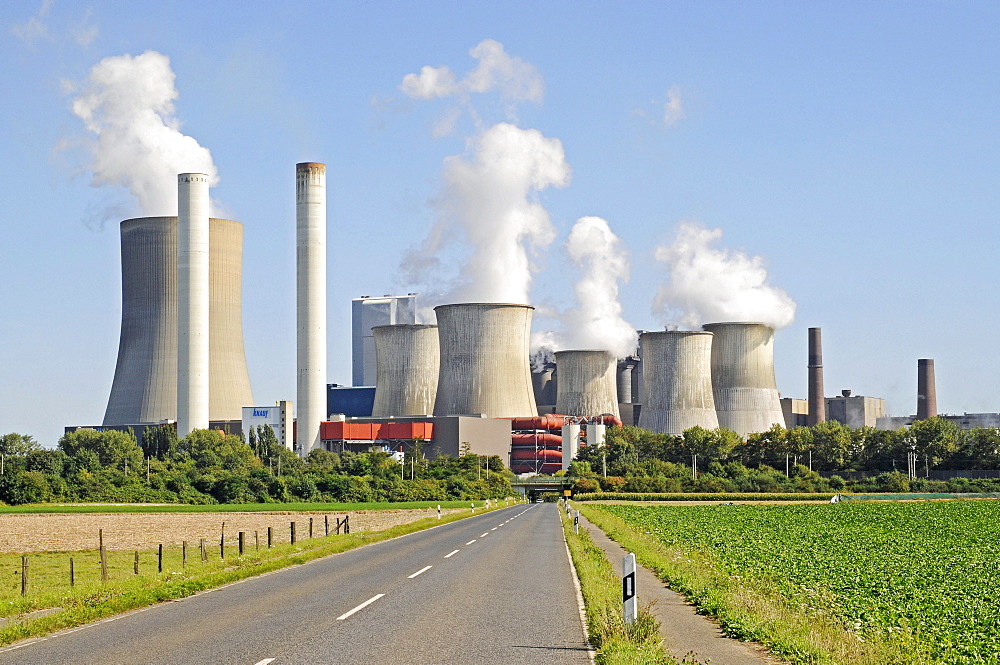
x=827 y=457
x=211 y=466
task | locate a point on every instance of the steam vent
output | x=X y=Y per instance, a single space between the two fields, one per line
x=678 y=375
x=408 y=363
x=746 y=394
x=145 y=384
x=484 y=360
x=587 y=383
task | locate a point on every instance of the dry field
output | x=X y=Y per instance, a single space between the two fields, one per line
x=139 y=531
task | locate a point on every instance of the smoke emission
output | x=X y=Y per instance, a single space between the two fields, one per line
x=709 y=284
x=128 y=104
x=489 y=205
x=596 y=322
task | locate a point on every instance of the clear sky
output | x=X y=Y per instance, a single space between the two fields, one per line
x=853 y=146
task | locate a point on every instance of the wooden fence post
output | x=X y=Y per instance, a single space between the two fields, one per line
x=104 y=555
x=24 y=576
x=240 y=537
x=72 y=574
x=135 y=563
x=222 y=542
x=270 y=536
x=159 y=558
x=256 y=540
x=292 y=529
x=326 y=525
x=310 y=527
x=184 y=554
x=204 y=554
x=347 y=523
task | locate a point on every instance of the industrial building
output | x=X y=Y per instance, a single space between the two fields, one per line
x=279 y=418
x=368 y=312
x=440 y=435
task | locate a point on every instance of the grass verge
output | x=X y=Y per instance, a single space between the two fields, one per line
x=750 y=609
x=92 y=601
x=231 y=507
x=617 y=642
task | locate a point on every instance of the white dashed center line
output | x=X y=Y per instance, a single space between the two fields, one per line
x=360 y=607
x=422 y=570
x=265 y=661
x=451 y=554
x=485 y=534
x=471 y=541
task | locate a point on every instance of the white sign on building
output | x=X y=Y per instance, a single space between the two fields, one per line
x=279 y=417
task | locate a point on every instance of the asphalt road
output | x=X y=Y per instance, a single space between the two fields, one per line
x=494 y=588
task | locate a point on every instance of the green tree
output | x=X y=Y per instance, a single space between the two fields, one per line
x=17 y=444
x=114 y=449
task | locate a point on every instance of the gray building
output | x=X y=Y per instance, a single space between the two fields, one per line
x=366 y=313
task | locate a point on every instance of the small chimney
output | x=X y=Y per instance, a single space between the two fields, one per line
x=817 y=403
x=926 y=390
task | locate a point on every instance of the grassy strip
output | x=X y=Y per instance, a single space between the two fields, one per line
x=233 y=507
x=92 y=602
x=703 y=496
x=617 y=642
x=751 y=609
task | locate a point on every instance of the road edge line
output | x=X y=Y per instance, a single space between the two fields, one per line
x=591 y=652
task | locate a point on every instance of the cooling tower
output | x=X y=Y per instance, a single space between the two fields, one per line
x=587 y=383
x=746 y=395
x=310 y=271
x=817 y=402
x=678 y=381
x=408 y=363
x=192 y=302
x=484 y=360
x=145 y=383
x=926 y=389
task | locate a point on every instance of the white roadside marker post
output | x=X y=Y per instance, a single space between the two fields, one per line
x=628 y=587
x=576 y=522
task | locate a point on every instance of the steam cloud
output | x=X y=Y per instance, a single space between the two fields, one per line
x=128 y=104
x=707 y=284
x=596 y=322
x=488 y=202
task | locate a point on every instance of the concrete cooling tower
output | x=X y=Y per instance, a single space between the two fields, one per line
x=484 y=360
x=678 y=378
x=408 y=363
x=746 y=395
x=587 y=383
x=145 y=384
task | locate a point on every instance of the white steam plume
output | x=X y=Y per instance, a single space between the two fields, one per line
x=707 y=284
x=128 y=103
x=515 y=79
x=489 y=203
x=596 y=322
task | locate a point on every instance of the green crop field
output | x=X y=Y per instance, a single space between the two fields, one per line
x=920 y=577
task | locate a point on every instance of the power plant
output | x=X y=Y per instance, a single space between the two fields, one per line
x=408 y=361
x=484 y=360
x=678 y=376
x=586 y=385
x=743 y=385
x=145 y=387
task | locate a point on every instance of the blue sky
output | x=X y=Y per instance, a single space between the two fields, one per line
x=852 y=146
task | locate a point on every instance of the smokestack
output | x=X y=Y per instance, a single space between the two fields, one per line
x=484 y=360
x=625 y=368
x=408 y=363
x=926 y=390
x=678 y=379
x=192 y=302
x=586 y=384
x=145 y=384
x=817 y=402
x=310 y=250
x=543 y=384
x=746 y=395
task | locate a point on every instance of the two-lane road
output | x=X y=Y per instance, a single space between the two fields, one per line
x=494 y=588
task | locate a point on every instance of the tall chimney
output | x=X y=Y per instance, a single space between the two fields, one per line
x=192 y=302
x=310 y=269
x=817 y=402
x=926 y=390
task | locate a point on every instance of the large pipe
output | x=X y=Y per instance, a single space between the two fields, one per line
x=746 y=394
x=145 y=384
x=817 y=402
x=587 y=385
x=926 y=389
x=192 y=302
x=678 y=375
x=408 y=362
x=310 y=249
x=484 y=360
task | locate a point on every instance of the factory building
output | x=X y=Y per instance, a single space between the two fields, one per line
x=279 y=418
x=442 y=435
x=366 y=313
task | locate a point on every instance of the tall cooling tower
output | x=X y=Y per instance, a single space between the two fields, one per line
x=678 y=377
x=587 y=383
x=484 y=360
x=310 y=306
x=408 y=363
x=746 y=394
x=145 y=383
